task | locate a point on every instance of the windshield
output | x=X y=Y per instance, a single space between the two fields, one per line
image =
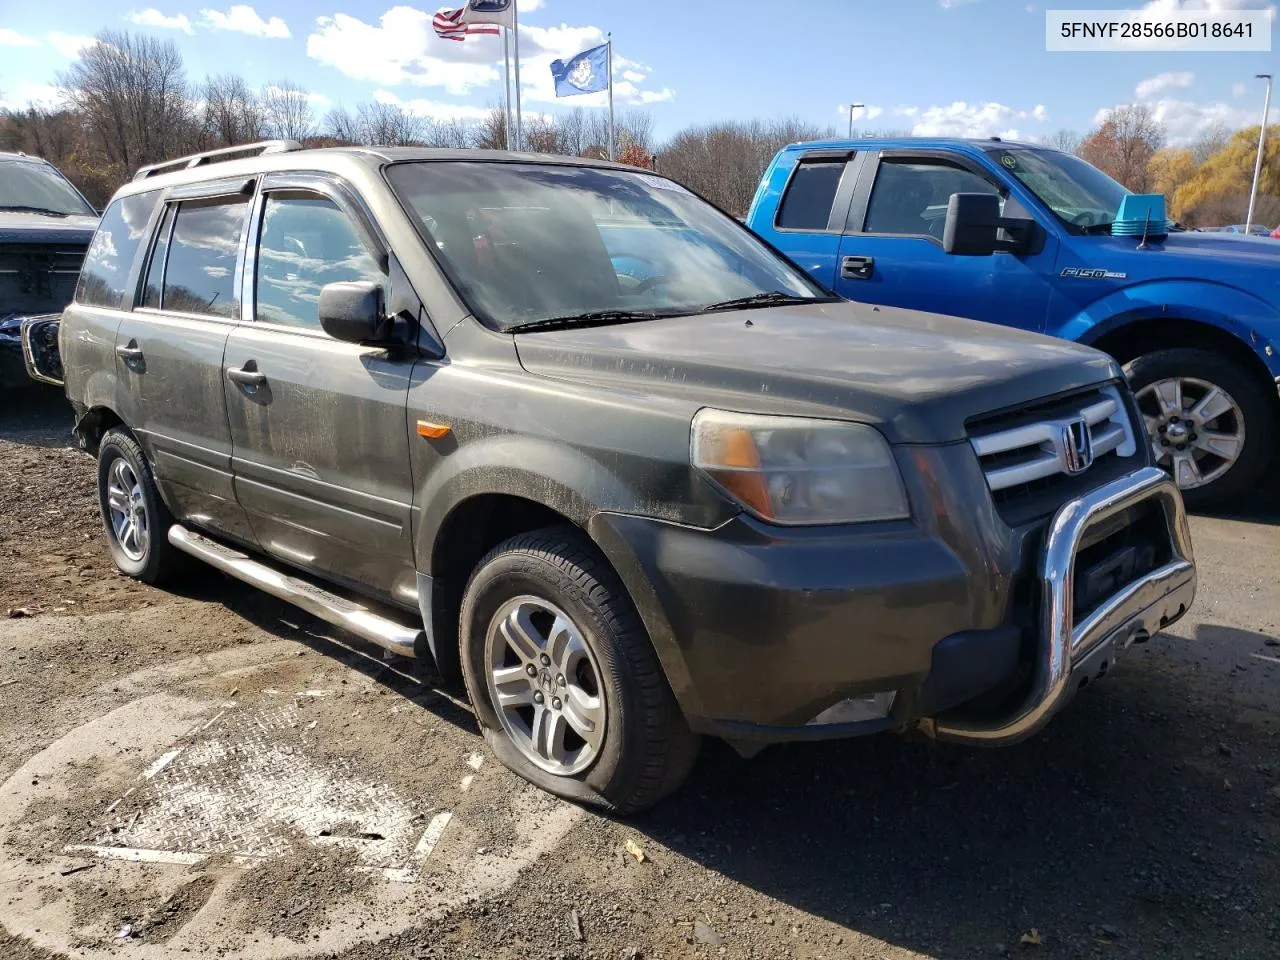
x=528 y=242
x=1078 y=192
x=26 y=184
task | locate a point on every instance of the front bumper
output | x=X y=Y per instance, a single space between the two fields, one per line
x=760 y=630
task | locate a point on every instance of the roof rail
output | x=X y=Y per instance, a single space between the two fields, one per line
x=260 y=149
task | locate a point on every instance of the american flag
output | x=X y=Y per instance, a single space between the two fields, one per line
x=449 y=26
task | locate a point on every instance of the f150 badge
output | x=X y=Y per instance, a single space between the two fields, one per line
x=1090 y=273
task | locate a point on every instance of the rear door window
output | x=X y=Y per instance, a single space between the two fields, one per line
x=105 y=274
x=810 y=195
x=199 y=273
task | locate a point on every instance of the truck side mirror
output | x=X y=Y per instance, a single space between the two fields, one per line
x=352 y=311
x=972 y=225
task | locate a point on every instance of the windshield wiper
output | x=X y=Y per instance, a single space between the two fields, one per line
x=770 y=299
x=591 y=318
x=22 y=208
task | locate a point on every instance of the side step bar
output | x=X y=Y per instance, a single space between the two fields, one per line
x=341 y=612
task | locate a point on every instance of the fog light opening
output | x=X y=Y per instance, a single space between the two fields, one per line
x=873 y=706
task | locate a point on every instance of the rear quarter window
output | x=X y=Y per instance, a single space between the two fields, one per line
x=107 y=265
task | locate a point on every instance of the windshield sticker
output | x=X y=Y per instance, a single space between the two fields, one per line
x=1009 y=161
x=1087 y=273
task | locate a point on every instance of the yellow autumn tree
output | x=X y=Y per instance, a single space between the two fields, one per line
x=1219 y=190
x=1168 y=170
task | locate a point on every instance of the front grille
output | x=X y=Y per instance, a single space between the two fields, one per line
x=1032 y=456
x=38 y=277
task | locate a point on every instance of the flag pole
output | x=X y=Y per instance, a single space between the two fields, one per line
x=609 y=69
x=515 y=20
x=506 y=83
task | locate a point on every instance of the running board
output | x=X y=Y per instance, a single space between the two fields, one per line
x=341 y=612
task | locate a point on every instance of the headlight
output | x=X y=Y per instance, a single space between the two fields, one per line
x=793 y=470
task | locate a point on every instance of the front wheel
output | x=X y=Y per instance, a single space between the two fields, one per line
x=1209 y=420
x=565 y=683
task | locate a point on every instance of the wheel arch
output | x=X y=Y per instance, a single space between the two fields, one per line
x=93 y=424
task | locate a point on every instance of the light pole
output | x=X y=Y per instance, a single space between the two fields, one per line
x=1262 y=144
x=853 y=107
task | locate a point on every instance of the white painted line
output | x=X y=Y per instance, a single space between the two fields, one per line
x=1259 y=656
x=160 y=764
x=431 y=836
x=394 y=874
x=466 y=782
x=475 y=760
x=134 y=855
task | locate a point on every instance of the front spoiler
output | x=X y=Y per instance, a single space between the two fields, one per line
x=1069 y=654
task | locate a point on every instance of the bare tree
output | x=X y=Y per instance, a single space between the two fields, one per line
x=1210 y=142
x=1124 y=143
x=1068 y=141
x=341 y=126
x=232 y=112
x=131 y=93
x=491 y=132
x=286 y=111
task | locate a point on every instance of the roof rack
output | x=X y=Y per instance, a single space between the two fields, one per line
x=259 y=149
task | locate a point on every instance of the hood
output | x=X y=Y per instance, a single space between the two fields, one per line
x=916 y=376
x=17 y=227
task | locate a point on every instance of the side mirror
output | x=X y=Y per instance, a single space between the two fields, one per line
x=973 y=225
x=352 y=311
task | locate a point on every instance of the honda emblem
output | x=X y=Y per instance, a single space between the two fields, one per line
x=1077 y=446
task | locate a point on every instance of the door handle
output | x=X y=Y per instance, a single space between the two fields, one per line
x=857 y=268
x=130 y=352
x=246 y=376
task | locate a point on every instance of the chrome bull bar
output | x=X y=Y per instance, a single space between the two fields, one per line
x=1139 y=609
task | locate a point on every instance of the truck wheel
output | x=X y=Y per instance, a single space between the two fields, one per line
x=565 y=683
x=136 y=519
x=1210 y=421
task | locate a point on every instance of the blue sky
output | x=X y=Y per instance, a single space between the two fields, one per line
x=945 y=67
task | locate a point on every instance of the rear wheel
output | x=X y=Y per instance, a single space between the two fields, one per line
x=1209 y=421
x=136 y=519
x=565 y=683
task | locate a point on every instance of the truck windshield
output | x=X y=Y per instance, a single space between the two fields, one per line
x=542 y=244
x=1078 y=192
x=26 y=185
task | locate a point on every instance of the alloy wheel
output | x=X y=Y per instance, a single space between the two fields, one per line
x=545 y=685
x=1196 y=428
x=127 y=510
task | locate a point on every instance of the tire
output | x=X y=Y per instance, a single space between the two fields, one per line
x=123 y=470
x=1251 y=414
x=646 y=750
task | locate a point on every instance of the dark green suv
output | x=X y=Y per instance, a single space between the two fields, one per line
x=600 y=452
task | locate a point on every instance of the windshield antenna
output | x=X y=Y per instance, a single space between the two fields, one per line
x=1146 y=225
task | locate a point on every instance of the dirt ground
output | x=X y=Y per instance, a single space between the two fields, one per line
x=287 y=791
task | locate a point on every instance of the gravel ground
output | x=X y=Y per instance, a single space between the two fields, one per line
x=1145 y=822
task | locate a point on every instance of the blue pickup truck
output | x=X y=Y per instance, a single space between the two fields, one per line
x=1023 y=235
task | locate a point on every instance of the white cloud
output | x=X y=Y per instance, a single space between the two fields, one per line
x=12 y=38
x=1185 y=121
x=27 y=94
x=318 y=100
x=70 y=45
x=1238 y=89
x=402 y=48
x=1149 y=87
x=859 y=113
x=1172 y=6
x=432 y=109
x=242 y=18
x=151 y=17
x=528 y=6
x=962 y=119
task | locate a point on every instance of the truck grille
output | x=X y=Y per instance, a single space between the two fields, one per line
x=38 y=278
x=1036 y=458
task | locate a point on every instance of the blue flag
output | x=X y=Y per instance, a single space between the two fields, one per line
x=588 y=72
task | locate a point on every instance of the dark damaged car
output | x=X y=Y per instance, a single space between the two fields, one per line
x=605 y=456
x=45 y=228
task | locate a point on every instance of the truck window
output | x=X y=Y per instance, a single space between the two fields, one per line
x=306 y=242
x=910 y=196
x=155 y=268
x=810 y=194
x=200 y=274
x=110 y=258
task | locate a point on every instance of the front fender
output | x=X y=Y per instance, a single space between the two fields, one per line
x=1250 y=320
x=552 y=474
